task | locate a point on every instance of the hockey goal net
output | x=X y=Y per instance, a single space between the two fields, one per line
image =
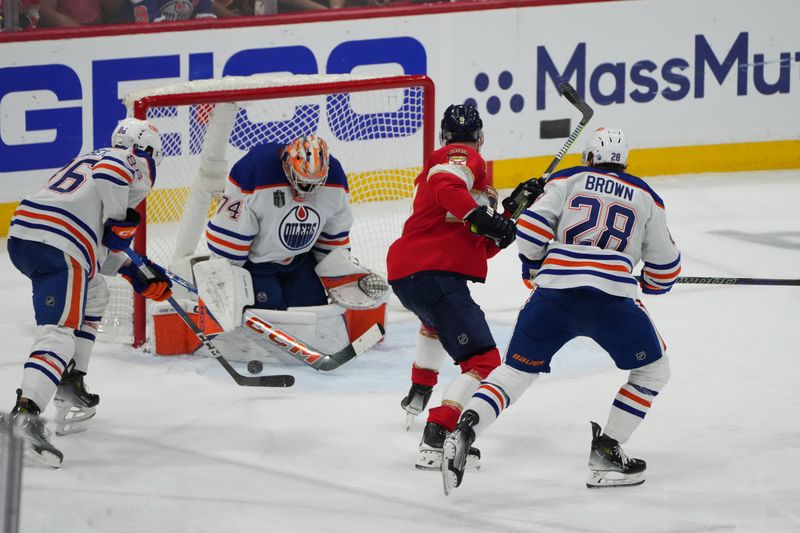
x=380 y=128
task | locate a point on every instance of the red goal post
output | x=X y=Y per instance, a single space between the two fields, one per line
x=380 y=128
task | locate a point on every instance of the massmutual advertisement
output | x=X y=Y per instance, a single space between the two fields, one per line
x=694 y=83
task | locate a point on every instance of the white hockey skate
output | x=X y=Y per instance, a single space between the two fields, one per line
x=429 y=456
x=75 y=406
x=609 y=466
x=415 y=402
x=31 y=427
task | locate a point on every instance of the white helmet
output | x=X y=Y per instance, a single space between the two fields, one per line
x=607 y=146
x=140 y=134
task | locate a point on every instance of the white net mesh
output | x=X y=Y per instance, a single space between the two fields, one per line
x=377 y=135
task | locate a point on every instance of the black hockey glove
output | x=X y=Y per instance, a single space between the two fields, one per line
x=489 y=223
x=118 y=234
x=157 y=287
x=523 y=194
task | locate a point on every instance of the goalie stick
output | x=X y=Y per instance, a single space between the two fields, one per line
x=279 y=380
x=520 y=198
x=316 y=359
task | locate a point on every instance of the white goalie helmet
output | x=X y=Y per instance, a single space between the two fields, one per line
x=140 y=134
x=607 y=146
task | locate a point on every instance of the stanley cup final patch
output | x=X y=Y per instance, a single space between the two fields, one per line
x=279 y=198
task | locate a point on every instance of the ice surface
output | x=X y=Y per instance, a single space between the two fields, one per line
x=177 y=446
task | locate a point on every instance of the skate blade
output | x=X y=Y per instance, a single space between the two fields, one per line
x=410 y=420
x=73 y=419
x=434 y=464
x=449 y=476
x=604 y=480
x=43 y=458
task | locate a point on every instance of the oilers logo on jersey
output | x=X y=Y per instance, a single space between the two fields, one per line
x=299 y=227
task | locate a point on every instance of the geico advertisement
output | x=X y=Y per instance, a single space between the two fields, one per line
x=671 y=73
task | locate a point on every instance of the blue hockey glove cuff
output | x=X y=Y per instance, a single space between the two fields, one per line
x=118 y=234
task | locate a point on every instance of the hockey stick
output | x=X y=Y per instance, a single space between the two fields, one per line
x=297 y=349
x=245 y=381
x=710 y=280
x=520 y=198
x=306 y=354
x=701 y=280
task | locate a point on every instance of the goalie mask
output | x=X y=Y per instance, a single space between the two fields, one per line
x=138 y=134
x=607 y=147
x=305 y=163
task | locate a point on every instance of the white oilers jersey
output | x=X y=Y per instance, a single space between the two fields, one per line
x=591 y=227
x=259 y=219
x=69 y=212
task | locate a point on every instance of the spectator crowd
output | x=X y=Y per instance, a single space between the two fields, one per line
x=32 y=14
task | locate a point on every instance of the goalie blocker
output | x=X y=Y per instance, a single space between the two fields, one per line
x=226 y=290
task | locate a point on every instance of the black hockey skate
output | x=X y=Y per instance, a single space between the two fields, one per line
x=609 y=465
x=456 y=451
x=415 y=402
x=430 y=450
x=30 y=426
x=74 y=404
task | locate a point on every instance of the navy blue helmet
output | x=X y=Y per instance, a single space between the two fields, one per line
x=461 y=123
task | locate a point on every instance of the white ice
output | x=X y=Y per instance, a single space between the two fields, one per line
x=177 y=446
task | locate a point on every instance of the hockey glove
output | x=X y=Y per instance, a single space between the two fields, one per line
x=529 y=270
x=487 y=222
x=156 y=287
x=118 y=234
x=523 y=195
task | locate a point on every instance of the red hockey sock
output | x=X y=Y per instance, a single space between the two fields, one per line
x=424 y=376
x=445 y=415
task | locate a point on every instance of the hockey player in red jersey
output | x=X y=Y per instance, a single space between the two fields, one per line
x=579 y=243
x=452 y=231
x=61 y=237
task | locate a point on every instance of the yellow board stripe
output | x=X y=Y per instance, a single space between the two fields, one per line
x=773 y=155
x=735 y=157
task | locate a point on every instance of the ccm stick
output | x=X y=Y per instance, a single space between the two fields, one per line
x=520 y=198
x=245 y=381
x=316 y=359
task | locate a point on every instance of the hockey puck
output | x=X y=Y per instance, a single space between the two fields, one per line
x=254 y=366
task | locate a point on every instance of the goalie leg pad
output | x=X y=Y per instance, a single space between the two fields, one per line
x=317 y=326
x=225 y=290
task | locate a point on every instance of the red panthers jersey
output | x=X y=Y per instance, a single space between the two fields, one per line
x=435 y=238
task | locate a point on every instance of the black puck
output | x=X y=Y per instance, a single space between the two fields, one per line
x=254 y=366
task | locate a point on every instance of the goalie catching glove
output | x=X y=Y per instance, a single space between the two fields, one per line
x=156 y=286
x=350 y=284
